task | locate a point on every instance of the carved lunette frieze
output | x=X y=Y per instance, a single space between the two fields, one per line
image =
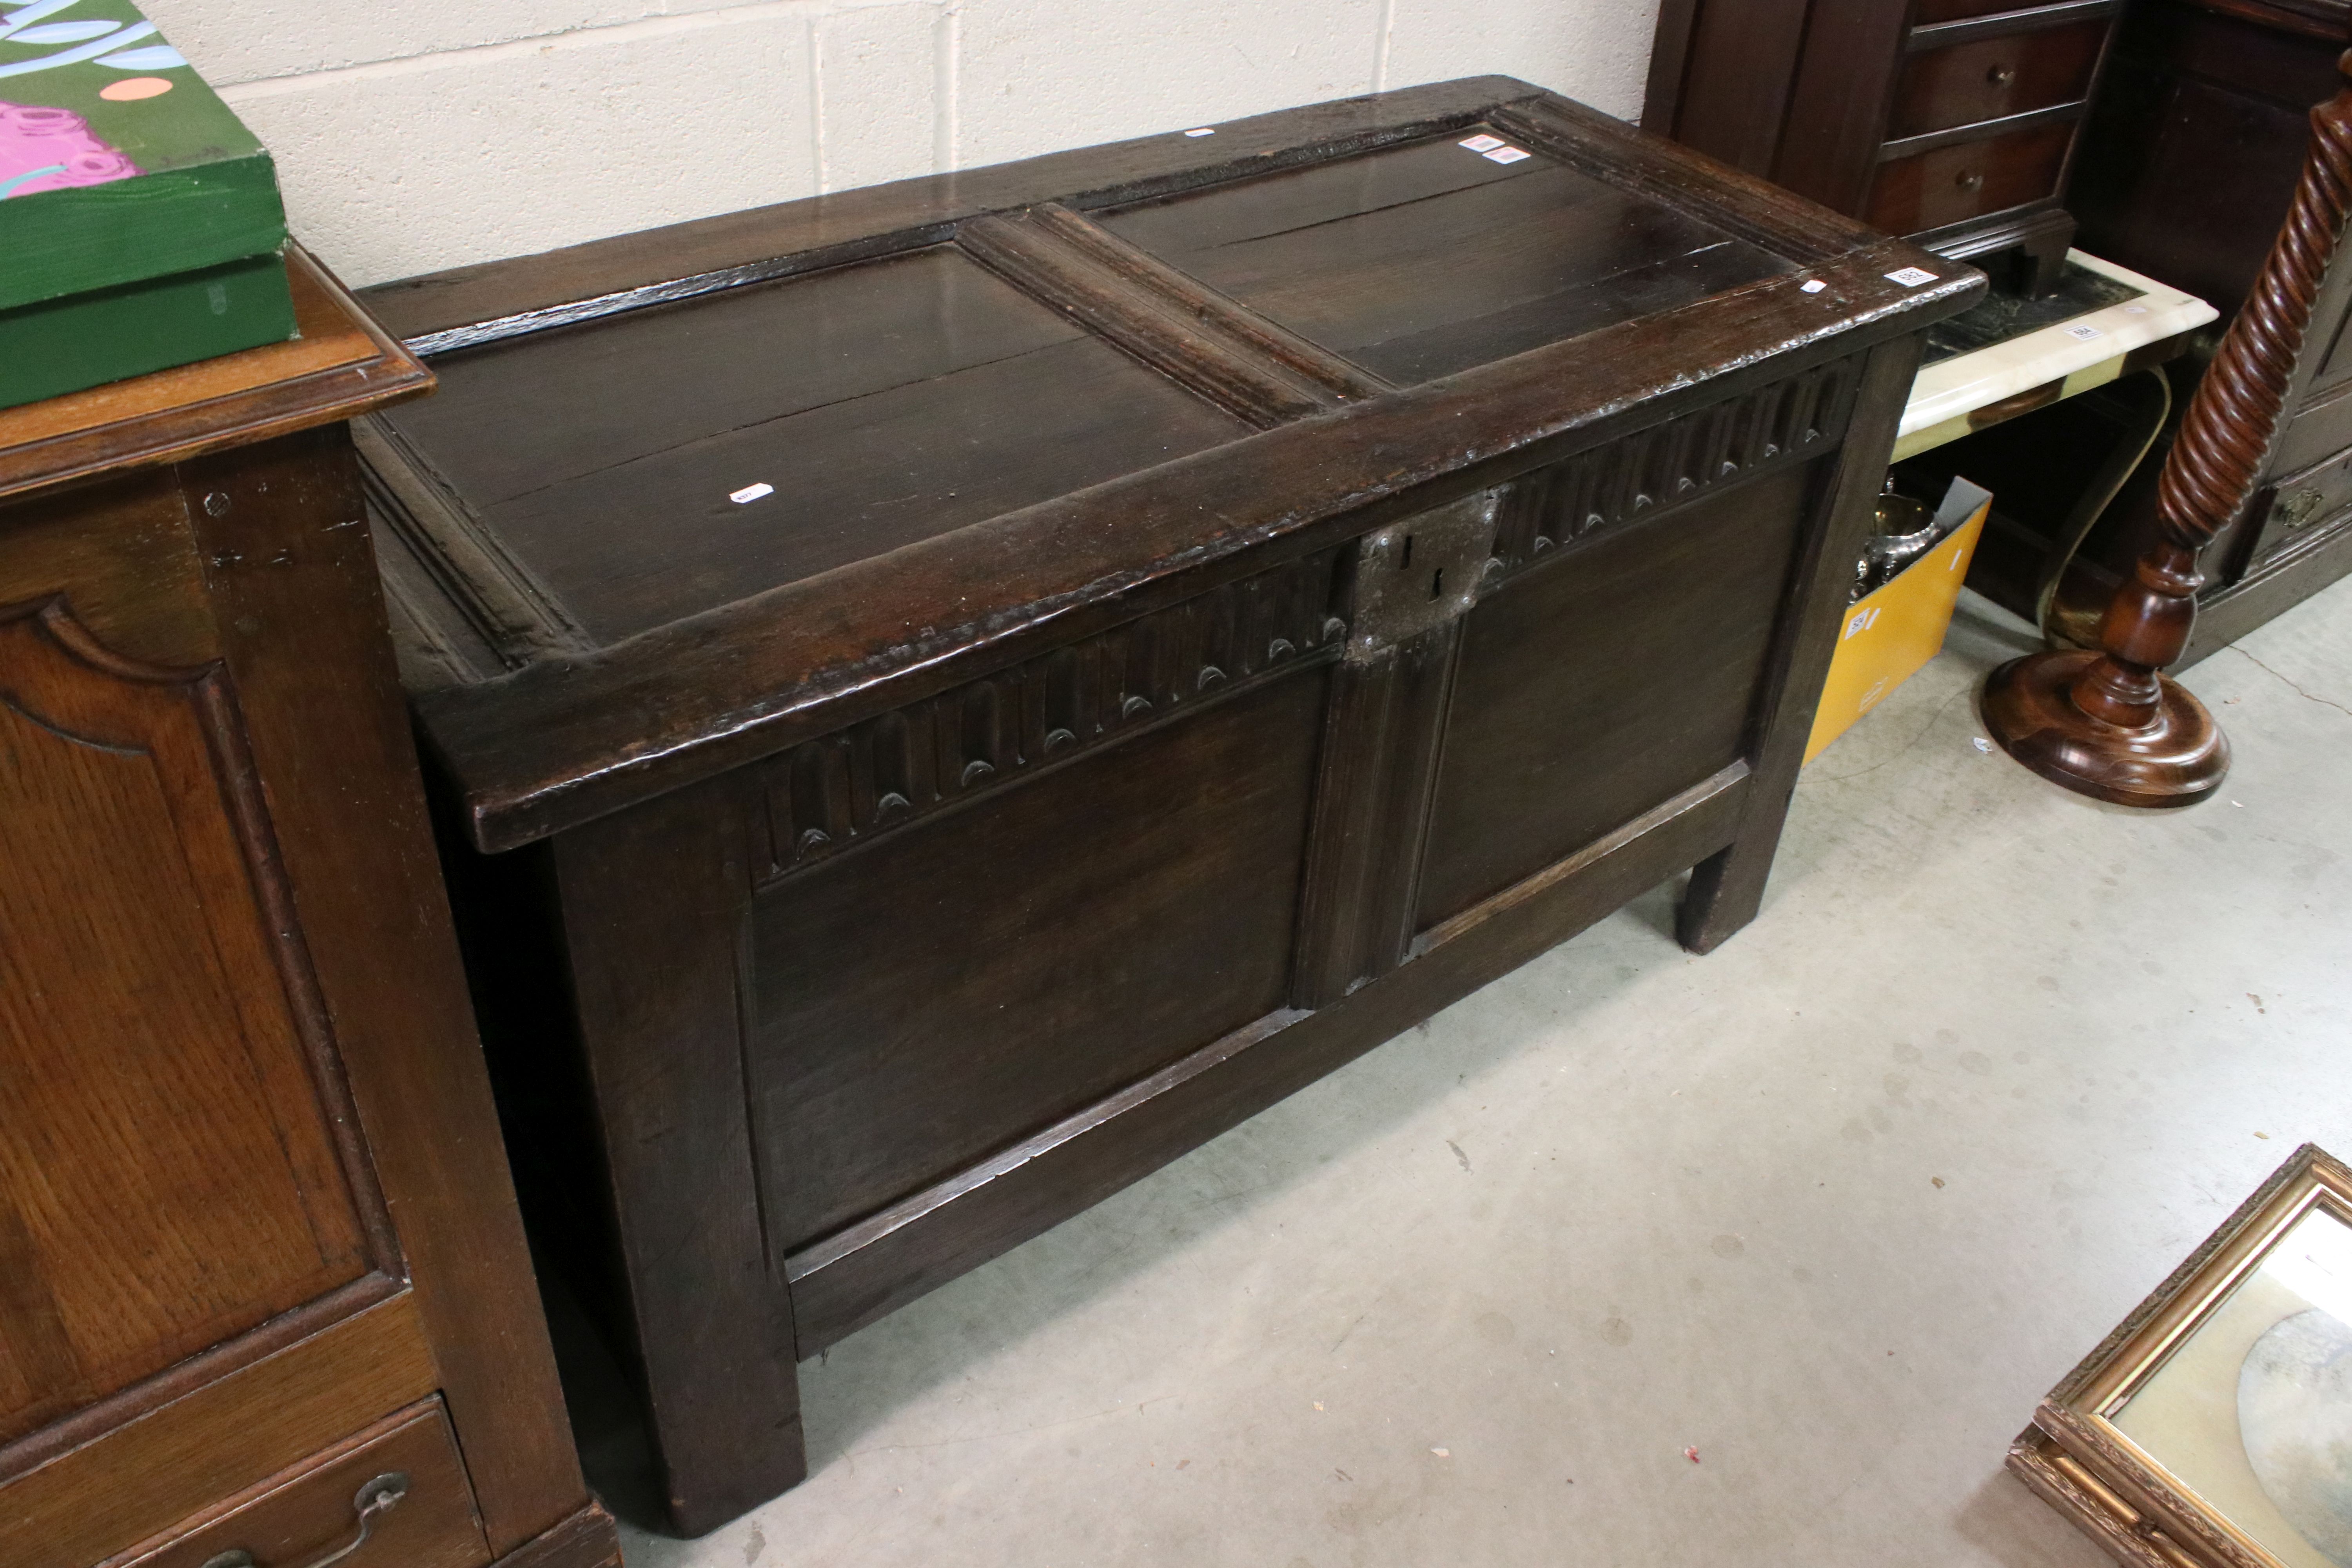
x=848 y=787
x=1672 y=463
x=899 y=767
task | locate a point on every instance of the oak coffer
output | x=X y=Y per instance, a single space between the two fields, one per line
x=950 y=695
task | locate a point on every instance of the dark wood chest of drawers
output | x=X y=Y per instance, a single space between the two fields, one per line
x=1952 y=121
x=2188 y=168
x=951 y=695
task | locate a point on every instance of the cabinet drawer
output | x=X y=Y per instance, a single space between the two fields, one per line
x=1951 y=184
x=1993 y=78
x=311 y=1512
x=2318 y=430
x=2299 y=508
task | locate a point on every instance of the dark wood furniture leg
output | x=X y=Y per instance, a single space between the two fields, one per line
x=657 y=903
x=2107 y=723
x=1728 y=887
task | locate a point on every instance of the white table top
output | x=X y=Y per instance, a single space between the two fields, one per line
x=2083 y=352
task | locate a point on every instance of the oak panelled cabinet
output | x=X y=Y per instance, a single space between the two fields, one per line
x=950 y=695
x=260 y=1266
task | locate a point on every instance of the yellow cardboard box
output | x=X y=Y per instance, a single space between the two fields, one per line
x=1891 y=631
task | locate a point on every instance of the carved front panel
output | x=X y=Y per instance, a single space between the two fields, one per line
x=844 y=788
x=170 y=1171
x=963 y=985
x=1606 y=682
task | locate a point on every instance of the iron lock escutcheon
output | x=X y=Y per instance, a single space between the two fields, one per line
x=1416 y=575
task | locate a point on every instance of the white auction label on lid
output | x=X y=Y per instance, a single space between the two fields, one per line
x=750 y=493
x=1911 y=277
x=1811 y=286
x=1509 y=154
x=1481 y=144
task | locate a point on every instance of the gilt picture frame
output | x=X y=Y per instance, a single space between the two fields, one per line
x=2213 y=1428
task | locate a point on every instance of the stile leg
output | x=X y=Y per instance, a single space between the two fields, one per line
x=1728 y=887
x=656 y=902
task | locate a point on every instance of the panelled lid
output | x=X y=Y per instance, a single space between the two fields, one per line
x=690 y=496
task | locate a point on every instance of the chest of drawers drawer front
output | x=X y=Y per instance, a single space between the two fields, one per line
x=1952 y=185
x=308 y=1514
x=1993 y=78
x=2299 y=509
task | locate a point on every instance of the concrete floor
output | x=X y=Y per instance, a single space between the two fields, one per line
x=1832 y=1206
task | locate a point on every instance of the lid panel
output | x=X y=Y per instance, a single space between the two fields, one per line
x=881 y=404
x=1422 y=260
x=526 y=414
x=1303 y=198
x=660 y=538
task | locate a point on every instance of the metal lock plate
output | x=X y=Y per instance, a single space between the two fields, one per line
x=1416 y=575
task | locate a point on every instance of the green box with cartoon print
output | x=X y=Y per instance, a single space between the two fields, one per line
x=121 y=177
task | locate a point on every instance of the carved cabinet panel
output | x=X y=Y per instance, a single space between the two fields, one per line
x=256 y=1228
x=182 y=1163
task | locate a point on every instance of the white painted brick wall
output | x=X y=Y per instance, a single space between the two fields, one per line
x=420 y=134
x=1035 y=76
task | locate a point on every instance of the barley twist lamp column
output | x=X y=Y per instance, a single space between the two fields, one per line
x=2107 y=723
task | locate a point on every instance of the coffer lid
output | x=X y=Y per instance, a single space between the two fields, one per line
x=690 y=496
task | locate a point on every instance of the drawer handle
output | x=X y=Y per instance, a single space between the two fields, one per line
x=1968 y=180
x=375 y=1498
x=2001 y=76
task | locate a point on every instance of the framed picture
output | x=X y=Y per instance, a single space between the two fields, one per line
x=2213 y=1429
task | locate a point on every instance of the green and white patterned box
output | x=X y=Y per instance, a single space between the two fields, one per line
x=139 y=220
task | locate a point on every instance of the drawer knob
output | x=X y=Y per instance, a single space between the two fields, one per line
x=2001 y=76
x=1968 y=180
x=376 y=1497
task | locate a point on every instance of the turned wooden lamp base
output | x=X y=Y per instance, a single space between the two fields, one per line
x=2105 y=722
x=2178 y=758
